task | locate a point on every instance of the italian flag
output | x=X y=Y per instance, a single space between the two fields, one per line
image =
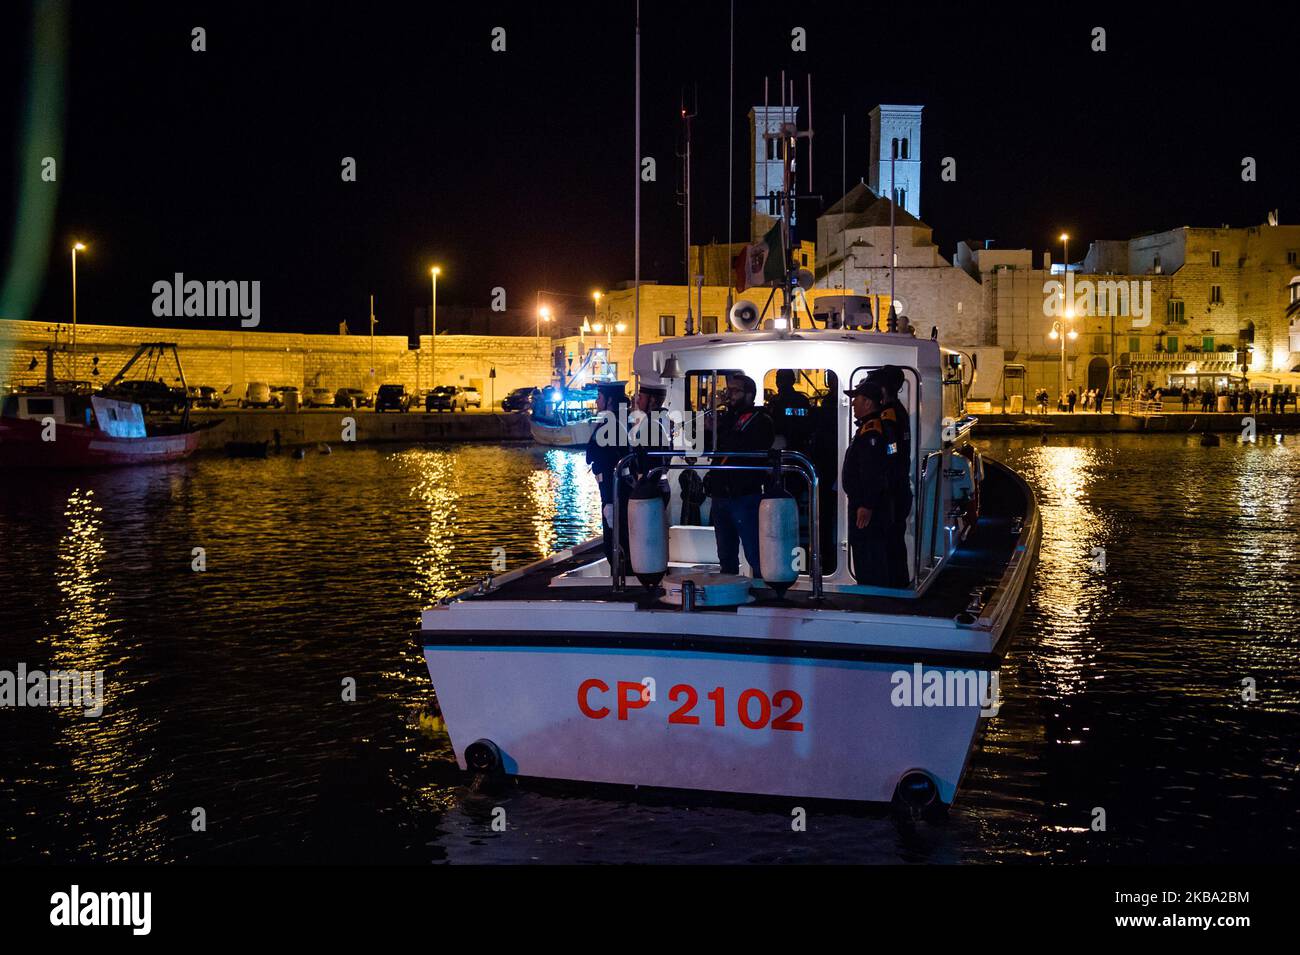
x=760 y=262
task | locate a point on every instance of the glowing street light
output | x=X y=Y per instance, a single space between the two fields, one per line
x=76 y=247
x=434 y=272
x=1059 y=333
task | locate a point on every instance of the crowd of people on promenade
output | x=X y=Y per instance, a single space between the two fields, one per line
x=1238 y=399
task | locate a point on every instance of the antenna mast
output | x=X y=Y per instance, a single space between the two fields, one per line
x=636 y=266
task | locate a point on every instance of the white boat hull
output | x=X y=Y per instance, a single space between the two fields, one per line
x=575 y=434
x=811 y=728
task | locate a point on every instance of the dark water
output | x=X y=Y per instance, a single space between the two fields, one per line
x=1122 y=691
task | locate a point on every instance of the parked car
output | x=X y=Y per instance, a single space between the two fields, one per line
x=257 y=395
x=352 y=398
x=392 y=398
x=278 y=393
x=521 y=399
x=318 y=398
x=205 y=396
x=447 y=398
x=151 y=396
x=472 y=397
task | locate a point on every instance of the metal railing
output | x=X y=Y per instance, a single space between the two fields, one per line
x=788 y=461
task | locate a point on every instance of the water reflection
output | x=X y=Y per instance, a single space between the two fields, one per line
x=1070 y=573
x=108 y=755
x=435 y=486
x=566 y=488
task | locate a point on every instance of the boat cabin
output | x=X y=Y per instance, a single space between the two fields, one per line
x=119 y=419
x=822 y=364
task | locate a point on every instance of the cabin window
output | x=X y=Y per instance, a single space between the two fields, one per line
x=40 y=406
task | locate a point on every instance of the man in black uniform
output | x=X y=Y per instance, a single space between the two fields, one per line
x=866 y=482
x=607 y=446
x=791 y=413
x=900 y=469
x=735 y=495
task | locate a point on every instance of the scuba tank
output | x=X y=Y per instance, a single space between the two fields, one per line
x=778 y=534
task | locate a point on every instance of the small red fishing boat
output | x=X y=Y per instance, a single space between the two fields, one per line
x=63 y=426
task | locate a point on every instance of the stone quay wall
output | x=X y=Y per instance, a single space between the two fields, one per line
x=235 y=358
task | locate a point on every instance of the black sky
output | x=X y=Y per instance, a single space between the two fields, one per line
x=516 y=169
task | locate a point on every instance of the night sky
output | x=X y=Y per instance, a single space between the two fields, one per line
x=516 y=168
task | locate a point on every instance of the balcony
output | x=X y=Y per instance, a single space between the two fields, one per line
x=1204 y=360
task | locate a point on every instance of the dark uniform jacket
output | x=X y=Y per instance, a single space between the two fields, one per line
x=603 y=458
x=867 y=466
x=900 y=472
x=792 y=419
x=751 y=431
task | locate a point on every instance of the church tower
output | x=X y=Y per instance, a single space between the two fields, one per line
x=765 y=168
x=901 y=125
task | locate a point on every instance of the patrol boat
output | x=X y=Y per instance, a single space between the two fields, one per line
x=809 y=684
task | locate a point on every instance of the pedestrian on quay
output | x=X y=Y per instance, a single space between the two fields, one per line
x=1071 y=398
x=1187 y=398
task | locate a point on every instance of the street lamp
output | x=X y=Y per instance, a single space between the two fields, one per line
x=433 y=327
x=76 y=247
x=543 y=315
x=1059 y=333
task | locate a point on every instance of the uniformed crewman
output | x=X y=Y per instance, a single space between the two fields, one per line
x=648 y=427
x=735 y=495
x=607 y=446
x=866 y=480
x=792 y=413
x=893 y=412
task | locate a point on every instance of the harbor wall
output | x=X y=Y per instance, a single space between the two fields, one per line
x=235 y=358
x=989 y=425
x=289 y=429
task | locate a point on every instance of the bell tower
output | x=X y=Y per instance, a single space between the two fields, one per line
x=766 y=170
x=899 y=125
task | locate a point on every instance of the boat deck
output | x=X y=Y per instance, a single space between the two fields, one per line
x=977 y=564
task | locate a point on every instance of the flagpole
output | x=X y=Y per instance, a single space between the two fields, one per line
x=731 y=141
x=636 y=218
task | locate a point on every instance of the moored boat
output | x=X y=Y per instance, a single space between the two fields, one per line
x=63 y=426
